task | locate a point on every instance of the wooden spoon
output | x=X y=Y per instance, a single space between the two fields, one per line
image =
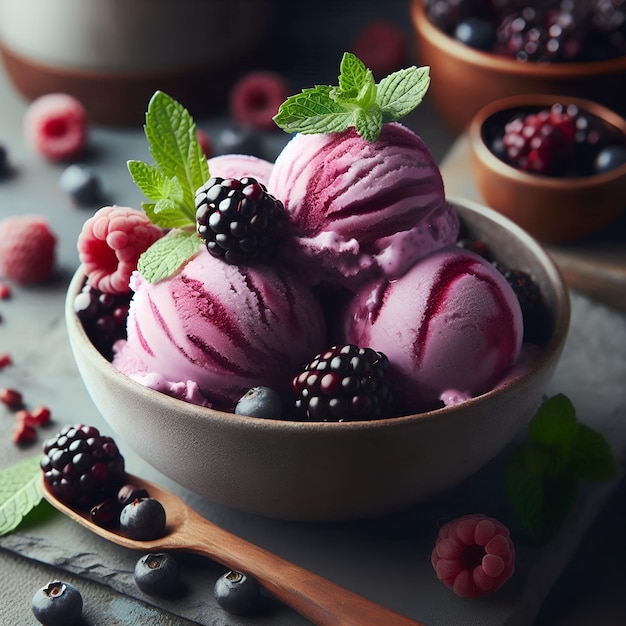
x=310 y=595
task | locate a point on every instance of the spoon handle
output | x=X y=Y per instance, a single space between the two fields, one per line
x=310 y=595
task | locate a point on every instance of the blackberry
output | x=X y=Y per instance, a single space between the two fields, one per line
x=537 y=319
x=81 y=466
x=103 y=316
x=238 y=220
x=520 y=35
x=345 y=383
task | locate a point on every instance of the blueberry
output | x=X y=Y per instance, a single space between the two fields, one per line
x=609 y=158
x=476 y=33
x=143 y=519
x=260 y=402
x=237 y=593
x=4 y=161
x=157 y=574
x=239 y=140
x=57 y=604
x=81 y=183
x=129 y=493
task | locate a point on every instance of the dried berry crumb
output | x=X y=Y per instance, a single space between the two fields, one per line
x=5 y=291
x=5 y=360
x=11 y=397
x=24 y=433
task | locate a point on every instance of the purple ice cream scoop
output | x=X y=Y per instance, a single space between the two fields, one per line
x=361 y=210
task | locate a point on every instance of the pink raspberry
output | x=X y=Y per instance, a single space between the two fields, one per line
x=255 y=99
x=383 y=47
x=56 y=126
x=110 y=244
x=473 y=555
x=27 y=249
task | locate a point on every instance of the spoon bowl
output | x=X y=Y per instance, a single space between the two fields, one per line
x=310 y=595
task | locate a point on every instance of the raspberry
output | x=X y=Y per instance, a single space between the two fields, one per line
x=103 y=316
x=473 y=555
x=110 y=244
x=81 y=466
x=383 y=48
x=238 y=220
x=27 y=249
x=255 y=99
x=56 y=126
x=205 y=142
x=5 y=360
x=5 y=291
x=345 y=383
x=542 y=142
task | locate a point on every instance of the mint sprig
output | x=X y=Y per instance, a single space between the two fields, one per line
x=357 y=101
x=170 y=184
x=543 y=475
x=19 y=493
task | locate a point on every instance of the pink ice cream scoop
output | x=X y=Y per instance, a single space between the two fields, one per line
x=360 y=210
x=451 y=327
x=224 y=328
x=239 y=166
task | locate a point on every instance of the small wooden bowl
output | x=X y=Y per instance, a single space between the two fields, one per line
x=552 y=209
x=463 y=79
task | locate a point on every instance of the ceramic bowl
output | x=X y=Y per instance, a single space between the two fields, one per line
x=463 y=79
x=330 y=471
x=555 y=210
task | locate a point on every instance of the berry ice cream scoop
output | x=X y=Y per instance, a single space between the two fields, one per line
x=224 y=327
x=451 y=327
x=361 y=209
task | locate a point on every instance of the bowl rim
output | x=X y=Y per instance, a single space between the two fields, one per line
x=519 y=101
x=486 y=60
x=552 y=349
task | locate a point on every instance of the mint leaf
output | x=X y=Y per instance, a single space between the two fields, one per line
x=313 y=111
x=19 y=493
x=356 y=83
x=368 y=123
x=401 y=92
x=171 y=133
x=166 y=255
x=591 y=456
x=154 y=183
x=357 y=101
x=543 y=475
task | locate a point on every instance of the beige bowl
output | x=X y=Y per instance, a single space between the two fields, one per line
x=463 y=79
x=329 y=471
x=552 y=209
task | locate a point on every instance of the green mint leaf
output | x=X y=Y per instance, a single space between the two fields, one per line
x=540 y=501
x=358 y=101
x=171 y=134
x=369 y=122
x=165 y=213
x=166 y=255
x=19 y=493
x=313 y=111
x=402 y=91
x=356 y=82
x=591 y=456
x=154 y=183
x=555 y=425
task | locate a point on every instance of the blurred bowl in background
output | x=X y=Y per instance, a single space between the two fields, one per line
x=464 y=79
x=114 y=55
x=554 y=209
